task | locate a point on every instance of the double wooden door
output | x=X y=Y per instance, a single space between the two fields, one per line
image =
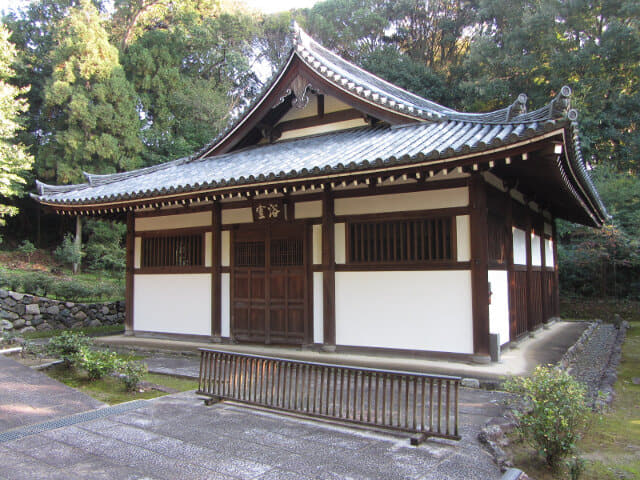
x=269 y=284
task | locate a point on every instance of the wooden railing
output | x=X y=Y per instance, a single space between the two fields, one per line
x=425 y=405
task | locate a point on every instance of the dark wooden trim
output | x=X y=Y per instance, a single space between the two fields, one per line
x=399 y=267
x=171 y=270
x=130 y=254
x=309 y=272
x=173 y=231
x=327 y=118
x=329 y=270
x=479 y=264
x=225 y=269
x=419 y=186
x=508 y=214
x=216 y=278
x=493 y=265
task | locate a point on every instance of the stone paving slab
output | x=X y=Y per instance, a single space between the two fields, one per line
x=177 y=436
x=28 y=396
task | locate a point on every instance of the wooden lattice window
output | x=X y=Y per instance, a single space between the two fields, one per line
x=172 y=251
x=401 y=241
x=249 y=254
x=498 y=238
x=287 y=252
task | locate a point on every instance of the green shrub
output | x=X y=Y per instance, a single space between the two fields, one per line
x=67 y=345
x=132 y=373
x=97 y=363
x=36 y=283
x=68 y=253
x=104 y=249
x=27 y=248
x=551 y=411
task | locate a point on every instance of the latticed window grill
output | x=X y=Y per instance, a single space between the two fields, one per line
x=287 y=252
x=401 y=241
x=172 y=251
x=249 y=254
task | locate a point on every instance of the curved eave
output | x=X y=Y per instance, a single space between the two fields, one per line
x=433 y=161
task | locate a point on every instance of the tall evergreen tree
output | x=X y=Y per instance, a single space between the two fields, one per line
x=89 y=105
x=14 y=159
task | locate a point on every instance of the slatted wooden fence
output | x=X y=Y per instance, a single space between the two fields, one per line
x=426 y=405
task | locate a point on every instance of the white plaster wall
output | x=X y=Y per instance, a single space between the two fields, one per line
x=166 y=222
x=225 y=246
x=340 y=243
x=311 y=209
x=225 y=305
x=137 y=252
x=208 y=248
x=318 y=308
x=400 y=202
x=519 y=246
x=418 y=310
x=327 y=127
x=179 y=303
x=536 y=252
x=317 y=244
x=236 y=215
x=463 y=237
x=548 y=252
x=499 y=307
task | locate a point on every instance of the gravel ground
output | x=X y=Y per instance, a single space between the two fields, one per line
x=591 y=364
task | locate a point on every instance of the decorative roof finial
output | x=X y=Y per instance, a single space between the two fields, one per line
x=562 y=103
x=518 y=107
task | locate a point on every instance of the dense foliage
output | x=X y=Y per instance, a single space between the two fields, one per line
x=139 y=82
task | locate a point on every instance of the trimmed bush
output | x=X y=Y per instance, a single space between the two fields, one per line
x=131 y=374
x=67 y=346
x=551 y=412
x=97 y=363
x=27 y=249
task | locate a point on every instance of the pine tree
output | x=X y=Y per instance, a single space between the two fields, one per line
x=15 y=161
x=89 y=104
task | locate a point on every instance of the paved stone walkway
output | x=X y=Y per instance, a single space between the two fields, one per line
x=178 y=437
x=28 y=396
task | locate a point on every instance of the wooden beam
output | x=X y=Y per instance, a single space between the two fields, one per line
x=479 y=265
x=509 y=257
x=329 y=270
x=216 y=280
x=530 y=279
x=130 y=252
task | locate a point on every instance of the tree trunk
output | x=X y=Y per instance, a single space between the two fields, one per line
x=78 y=243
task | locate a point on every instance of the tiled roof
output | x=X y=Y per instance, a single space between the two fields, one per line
x=348 y=150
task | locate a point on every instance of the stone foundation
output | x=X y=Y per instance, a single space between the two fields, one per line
x=20 y=313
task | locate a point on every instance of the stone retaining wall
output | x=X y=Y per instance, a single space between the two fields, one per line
x=20 y=313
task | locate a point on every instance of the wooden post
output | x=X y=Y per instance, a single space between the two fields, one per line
x=509 y=262
x=556 y=271
x=216 y=280
x=479 y=266
x=530 y=307
x=329 y=270
x=77 y=244
x=130 y=252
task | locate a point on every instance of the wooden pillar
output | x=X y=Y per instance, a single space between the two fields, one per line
x=479 y=265
x=530 y=305
x=556 y=271
x=216 y=274
x=509 y=261
x=328 y=270
x=130 y=252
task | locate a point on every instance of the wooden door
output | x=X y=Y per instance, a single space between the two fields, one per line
x=269 y=285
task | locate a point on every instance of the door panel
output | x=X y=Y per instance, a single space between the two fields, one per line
x=269 y=295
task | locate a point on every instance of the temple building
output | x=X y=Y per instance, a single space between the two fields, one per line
x=341 y=211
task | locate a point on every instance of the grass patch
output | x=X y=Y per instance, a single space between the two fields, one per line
x=612 y=445
x=111 y=390
x=88 y=331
